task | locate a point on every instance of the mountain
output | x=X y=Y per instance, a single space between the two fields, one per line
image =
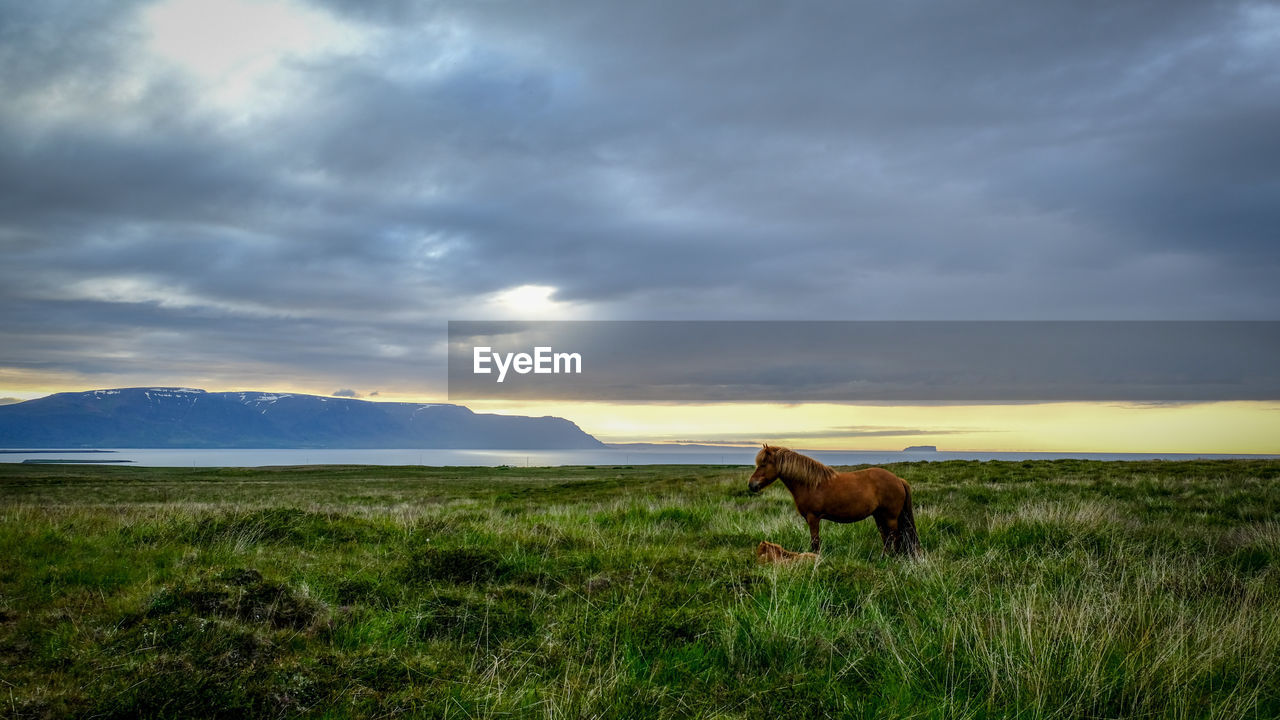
x=186 y=418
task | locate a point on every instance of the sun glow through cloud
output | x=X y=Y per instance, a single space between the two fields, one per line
x=530 y=302
x=236 y=50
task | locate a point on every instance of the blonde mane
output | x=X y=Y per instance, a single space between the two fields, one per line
x=795 y=466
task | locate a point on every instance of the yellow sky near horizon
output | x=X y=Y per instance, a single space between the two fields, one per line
x=1220 y=427
x=1216 y=427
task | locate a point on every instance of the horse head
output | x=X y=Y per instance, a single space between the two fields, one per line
x=766 y=469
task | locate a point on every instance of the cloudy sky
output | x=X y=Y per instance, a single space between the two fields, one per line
x=298 y=196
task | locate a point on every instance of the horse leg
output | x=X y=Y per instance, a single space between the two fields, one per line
x=888 y=527
x=814 y=541
x=893 y=542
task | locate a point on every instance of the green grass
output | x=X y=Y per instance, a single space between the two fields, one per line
x=1065 y=589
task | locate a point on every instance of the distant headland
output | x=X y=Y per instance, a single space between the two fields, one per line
x=170 y=417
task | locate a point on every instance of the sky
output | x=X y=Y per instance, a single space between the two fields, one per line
x=298 y=196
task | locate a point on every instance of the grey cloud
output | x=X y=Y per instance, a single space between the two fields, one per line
x=648 y=160
x=346 y=392
x=61 y=42
x=870 y=431
x=835 y=433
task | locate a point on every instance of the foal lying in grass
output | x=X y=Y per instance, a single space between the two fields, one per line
x=767 y=552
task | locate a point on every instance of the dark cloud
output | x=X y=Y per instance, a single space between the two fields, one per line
x=981 y=160
x=837 y=433
x=345 y=392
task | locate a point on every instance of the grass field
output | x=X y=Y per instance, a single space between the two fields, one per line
x=1067 y=589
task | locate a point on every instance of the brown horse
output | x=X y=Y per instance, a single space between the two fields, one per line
x=822 y=493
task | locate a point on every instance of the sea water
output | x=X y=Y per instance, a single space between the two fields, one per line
x=540 y=458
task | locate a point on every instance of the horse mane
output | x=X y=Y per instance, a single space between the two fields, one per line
x=793 y=465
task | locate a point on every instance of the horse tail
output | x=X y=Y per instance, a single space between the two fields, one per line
x=908 y=540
